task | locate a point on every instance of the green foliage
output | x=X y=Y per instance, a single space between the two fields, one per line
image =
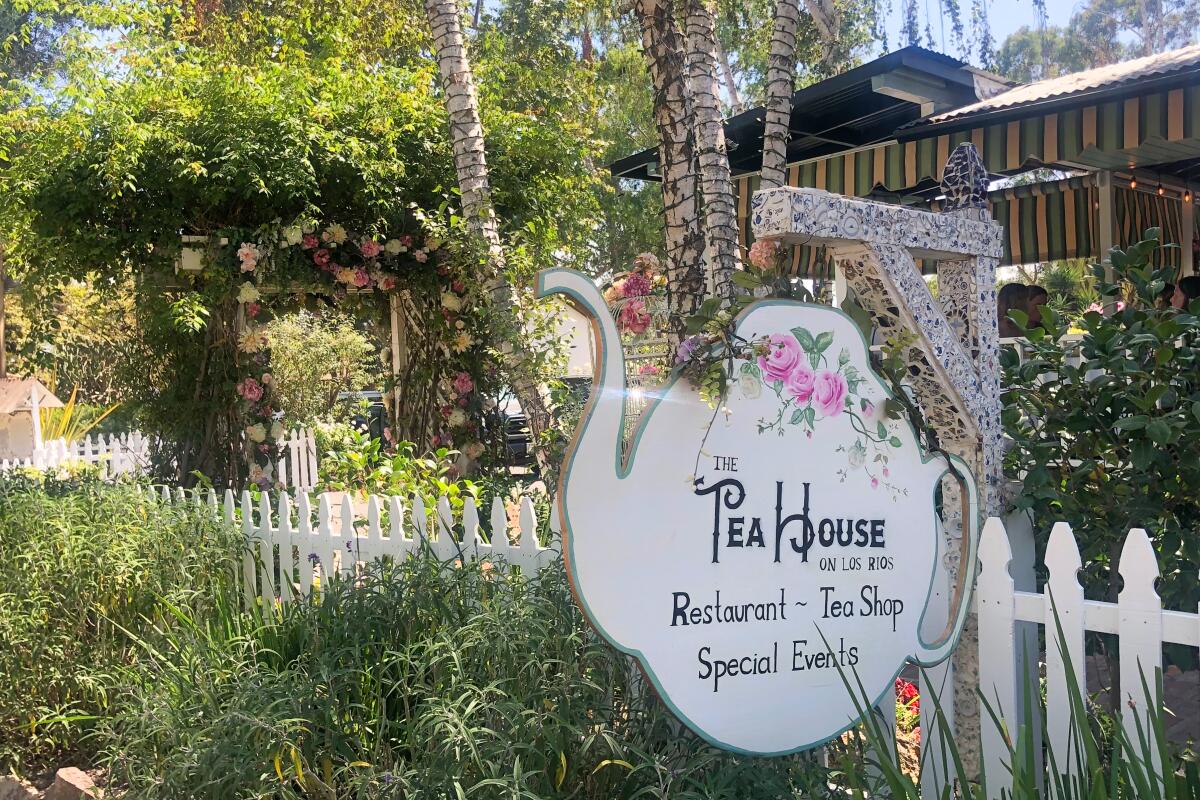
x=1106 y=433
x=84 y=563
x=313 y=358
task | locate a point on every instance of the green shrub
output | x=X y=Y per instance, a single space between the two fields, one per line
x=81 y=562
x=423 y=681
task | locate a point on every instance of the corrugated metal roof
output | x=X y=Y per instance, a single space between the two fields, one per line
x=1076 y=83
x=15 y=394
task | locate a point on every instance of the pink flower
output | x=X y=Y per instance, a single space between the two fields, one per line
x=250 y=390
x=1120 y=305
x=421 y=256
x=462 y=402
x=781 y=359
x=874 y=483
x=252 y=310
x=463 y=383
x=458 y=287
x=387 y=283
x=360 y=278
x=370 y=248
x=633 y=317
x=636 y=286
x=764 y=253
x=406 y=240
x=801 y=382
x=829 y=392
x=885 y=472
x=648 y=369
x=309 y=241
x=321 y=257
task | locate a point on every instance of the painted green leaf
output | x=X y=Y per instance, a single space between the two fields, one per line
x=843 y=357
x=824 y=339
x=894 y=441
x=805 y=339
x=881 y=431
x=798 y=416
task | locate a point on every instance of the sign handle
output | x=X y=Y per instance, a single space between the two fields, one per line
x=930 y=653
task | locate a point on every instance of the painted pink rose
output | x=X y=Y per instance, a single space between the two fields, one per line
x=309 y=241
x=784 y=355
x=250 y=390
x=801 y=382
x=321 y=257
x=463 y=383
x=370 y=248
x=829 y=392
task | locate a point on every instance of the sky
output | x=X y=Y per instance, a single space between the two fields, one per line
x=1005 y=16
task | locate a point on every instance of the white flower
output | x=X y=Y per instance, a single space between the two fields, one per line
x=276 y=431
x=252 y=340
x=473 y=450
x=394 y=247
x=293 y=234
x=256 y=433
x=256 y=474
x=750 y=385
x=248 y=293
x=334 y=233
x=451 y=301
x=457 y=418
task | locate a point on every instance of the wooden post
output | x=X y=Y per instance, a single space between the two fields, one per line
x=1106 y=218
x=1187 y=235
x=399 y=353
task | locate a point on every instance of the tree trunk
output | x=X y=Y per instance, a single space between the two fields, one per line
x=828 y=22
x=720 y=208
x=470 y=164
x=663 y=49
x=781 y=77
x=735 y=99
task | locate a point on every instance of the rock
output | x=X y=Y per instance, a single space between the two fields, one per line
x=72 y=783
x=13 y=789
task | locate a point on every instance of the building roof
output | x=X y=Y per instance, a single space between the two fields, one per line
x=1114 y=77
x=859 y=107
x=16 y=393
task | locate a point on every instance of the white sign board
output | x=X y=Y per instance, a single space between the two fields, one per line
x=757 y=557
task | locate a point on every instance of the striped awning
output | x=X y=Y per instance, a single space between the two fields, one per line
x=1152 y=128
x=1136 y=211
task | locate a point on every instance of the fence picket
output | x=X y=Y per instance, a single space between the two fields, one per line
x=1064 y=653
x=305 y=548
x=470 y=540
x=286 y=588
x=997 y=668
x=348 y=552
x=1140 y=628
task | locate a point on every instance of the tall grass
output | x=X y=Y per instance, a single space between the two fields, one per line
x=423 y=680
x=80 y=561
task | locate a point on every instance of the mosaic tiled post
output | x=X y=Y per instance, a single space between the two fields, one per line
x=952 y=355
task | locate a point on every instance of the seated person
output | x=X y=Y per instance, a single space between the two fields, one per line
x=1187 y=291
x=1012 y=296
x=1036 y=298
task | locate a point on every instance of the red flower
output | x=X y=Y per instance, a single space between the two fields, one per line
x=321 y=257
x=309 y=241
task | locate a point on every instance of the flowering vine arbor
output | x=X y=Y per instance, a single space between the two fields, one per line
x=950 y=343
x=416 y=280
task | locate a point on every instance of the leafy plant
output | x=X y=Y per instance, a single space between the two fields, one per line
x=83 y=564
x=1109 y=439
x=72 y=421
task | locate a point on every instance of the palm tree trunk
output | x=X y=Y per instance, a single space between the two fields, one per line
x=663 y=49
x=470 y=164
x=720 y=208
x=781 y=77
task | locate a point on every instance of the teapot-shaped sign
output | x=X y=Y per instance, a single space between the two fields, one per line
x=759 y=557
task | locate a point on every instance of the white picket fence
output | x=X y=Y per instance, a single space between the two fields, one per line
x=290 y=545
x=116 y=454
x=129 y=454
x=1137 y=618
